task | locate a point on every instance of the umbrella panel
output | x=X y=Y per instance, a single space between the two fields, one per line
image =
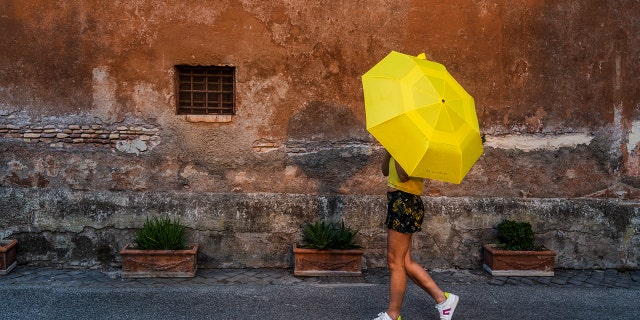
x=380 y=95
x=450 y=163
x=402 y=139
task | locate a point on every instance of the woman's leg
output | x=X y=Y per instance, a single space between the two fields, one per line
x=398 y=245
x=421 y=277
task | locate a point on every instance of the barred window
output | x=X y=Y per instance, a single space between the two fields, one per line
x=206 y=90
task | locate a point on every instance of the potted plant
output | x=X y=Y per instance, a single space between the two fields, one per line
x=159 y=250
x=516 y=253
x=327 y=249
x=8 y=249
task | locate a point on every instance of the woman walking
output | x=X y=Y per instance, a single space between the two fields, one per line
x=405 y=212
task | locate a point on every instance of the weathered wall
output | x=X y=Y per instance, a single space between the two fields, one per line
x=83 y=228
x=87 y=115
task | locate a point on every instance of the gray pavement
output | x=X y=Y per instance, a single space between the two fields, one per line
x=46 y=293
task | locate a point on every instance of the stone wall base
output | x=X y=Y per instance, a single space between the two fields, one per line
x=236 y=230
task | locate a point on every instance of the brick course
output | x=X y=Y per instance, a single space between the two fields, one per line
x=74 y=135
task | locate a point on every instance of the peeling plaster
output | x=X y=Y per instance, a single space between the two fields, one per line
x=634 y=136
x=189 y=171
x=132 y=146
x=538 y=142
x=104 y=95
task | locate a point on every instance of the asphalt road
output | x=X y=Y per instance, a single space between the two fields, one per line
x=311 y=301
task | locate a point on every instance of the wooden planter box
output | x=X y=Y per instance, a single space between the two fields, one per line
x=159 y=263
x=8 y=249
x=518 y=263
x=315 y=262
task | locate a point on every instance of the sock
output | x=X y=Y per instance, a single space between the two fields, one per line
x=446 y=297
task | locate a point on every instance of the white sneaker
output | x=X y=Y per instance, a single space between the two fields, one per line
x=447 y=307
x=385 y=316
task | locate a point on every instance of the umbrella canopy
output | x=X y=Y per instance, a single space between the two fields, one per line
x=422 y=116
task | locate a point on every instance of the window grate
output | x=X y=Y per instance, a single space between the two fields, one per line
x=206 y=90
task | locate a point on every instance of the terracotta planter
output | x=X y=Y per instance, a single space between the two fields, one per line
x=518 y=263
x=315 y=262
x=8 y=249
x=158 y=263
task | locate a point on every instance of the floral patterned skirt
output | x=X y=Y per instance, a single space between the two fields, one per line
x=405 y=212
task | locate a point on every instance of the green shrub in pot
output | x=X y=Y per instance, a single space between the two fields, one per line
x=513 y=235
x=161 y=234
x=328 y=235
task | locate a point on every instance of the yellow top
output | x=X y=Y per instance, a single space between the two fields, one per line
x=414 y=185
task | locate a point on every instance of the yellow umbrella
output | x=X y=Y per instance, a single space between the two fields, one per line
x=422 y=116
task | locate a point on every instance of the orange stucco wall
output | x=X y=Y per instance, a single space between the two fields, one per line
x=87 y=94
x=540 y=68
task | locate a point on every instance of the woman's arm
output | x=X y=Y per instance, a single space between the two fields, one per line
x=385 y=163
x=404 y=177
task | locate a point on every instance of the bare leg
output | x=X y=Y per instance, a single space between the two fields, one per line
x=398 y=245
x=421 y=277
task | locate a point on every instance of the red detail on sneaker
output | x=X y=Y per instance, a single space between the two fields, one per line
x=446 y=312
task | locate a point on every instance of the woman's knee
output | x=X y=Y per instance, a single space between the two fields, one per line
x=395 y=262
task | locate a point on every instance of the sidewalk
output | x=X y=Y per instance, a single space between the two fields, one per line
x=46 y=293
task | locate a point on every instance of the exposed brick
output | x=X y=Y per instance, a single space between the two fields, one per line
x=32 y=135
